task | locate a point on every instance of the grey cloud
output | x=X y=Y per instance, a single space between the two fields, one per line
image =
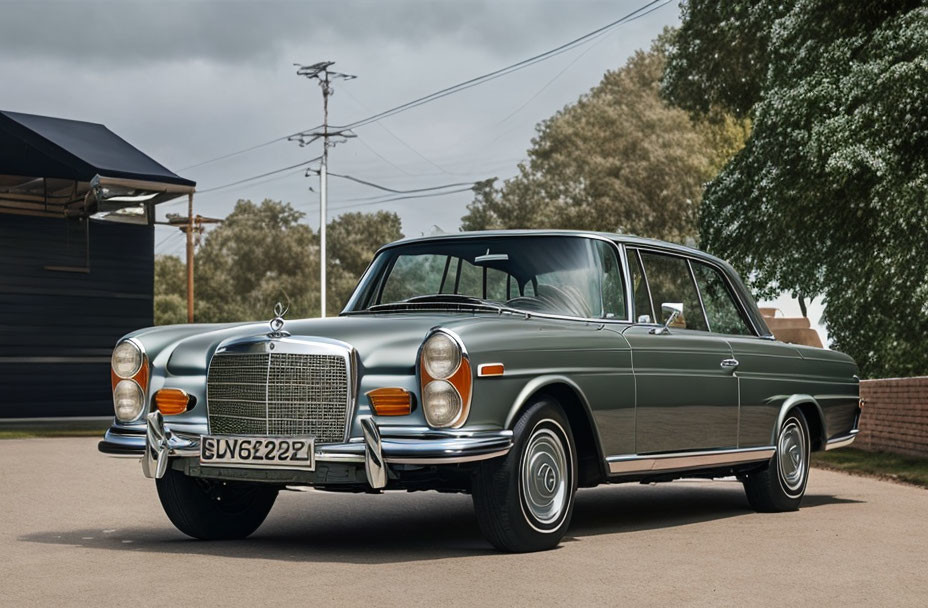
x=189 y=81
x=236 y=32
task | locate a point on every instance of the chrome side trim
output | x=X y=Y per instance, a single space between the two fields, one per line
x=843 y=441
x=634 y=464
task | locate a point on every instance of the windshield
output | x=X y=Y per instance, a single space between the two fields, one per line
x=561 y=275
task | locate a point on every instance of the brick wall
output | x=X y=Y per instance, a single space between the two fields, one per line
x=895 y=416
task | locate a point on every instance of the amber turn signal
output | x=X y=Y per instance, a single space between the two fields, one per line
x=390 y=401
x=171 y=401
x=490 y=369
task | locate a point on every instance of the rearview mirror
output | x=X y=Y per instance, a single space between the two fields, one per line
x=671 y=310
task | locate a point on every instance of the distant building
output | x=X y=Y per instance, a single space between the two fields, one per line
x=76 y=260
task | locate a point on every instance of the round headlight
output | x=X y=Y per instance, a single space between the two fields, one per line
x=127 y=359
x=441 y=356
x=442 y=403
x=128 y=400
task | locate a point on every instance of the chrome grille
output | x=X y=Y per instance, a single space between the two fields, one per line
x=278 y=394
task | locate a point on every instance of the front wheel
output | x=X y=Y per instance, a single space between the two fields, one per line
x=781 y=486
x=524 y=500
x=214 y=510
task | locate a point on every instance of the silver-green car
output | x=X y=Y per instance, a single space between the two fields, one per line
x=513 y=365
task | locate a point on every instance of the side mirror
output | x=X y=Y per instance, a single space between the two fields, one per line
x=671 y=310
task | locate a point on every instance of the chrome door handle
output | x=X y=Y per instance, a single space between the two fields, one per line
x=729 y=363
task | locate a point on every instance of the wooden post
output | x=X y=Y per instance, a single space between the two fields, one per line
x=190 y=258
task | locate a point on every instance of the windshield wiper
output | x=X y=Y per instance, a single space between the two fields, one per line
x=449 y=297
x=444 y=298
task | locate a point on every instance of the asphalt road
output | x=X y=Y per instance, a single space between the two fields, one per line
x=77 y=528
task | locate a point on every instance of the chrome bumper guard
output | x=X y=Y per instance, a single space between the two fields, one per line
x=379 y=447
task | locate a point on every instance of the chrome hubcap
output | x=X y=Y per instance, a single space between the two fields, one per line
x=791 y=451
x=544 y=476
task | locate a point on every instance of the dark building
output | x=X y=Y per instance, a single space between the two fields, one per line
x=76 y=260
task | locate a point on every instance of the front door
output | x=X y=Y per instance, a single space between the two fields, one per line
x=686 y=389
x=686 y=399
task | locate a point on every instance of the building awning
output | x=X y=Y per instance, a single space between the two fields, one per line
x=69 y=168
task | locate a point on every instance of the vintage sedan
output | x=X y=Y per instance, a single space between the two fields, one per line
x=516 y=366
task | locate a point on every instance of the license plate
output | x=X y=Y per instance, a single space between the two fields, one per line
x=258 y=452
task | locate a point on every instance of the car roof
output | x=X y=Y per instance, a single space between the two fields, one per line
x=627 y=239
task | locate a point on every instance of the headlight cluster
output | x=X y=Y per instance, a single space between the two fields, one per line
x=129 y=380
x=446 y=381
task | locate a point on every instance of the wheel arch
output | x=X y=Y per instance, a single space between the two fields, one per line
x=590 y=459
x=814 y=416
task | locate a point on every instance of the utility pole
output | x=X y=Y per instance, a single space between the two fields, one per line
x=321 y=72
x=189 y=225
x=190 y=258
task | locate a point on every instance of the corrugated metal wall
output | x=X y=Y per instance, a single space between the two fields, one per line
x=58 y=328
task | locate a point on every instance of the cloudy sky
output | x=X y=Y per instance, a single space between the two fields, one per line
x=188 y=81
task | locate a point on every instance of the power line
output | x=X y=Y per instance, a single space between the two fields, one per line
x=402 y=141
x=236 y=153
x=386 y=189
x=382 y=157
x=168 y=238
x=520 y=65
x=400 y=198
x=254 y=177
x=478 y=80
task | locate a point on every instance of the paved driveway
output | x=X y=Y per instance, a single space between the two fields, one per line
x=77 y=528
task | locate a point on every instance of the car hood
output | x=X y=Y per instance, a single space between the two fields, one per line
x=388 y=343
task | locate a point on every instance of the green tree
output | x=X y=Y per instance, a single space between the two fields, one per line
x=828 y=197
x=264 y=253
x=619 y=159
x=719 y=56
x=170 y=287
x=353 y=238
x=260 y=254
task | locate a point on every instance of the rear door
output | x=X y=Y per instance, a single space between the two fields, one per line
x=686 y=391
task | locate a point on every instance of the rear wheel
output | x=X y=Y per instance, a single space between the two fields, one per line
x=781 y=486
x=524 y=501
x=214 y=510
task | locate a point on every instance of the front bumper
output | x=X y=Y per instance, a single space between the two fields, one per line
x=380 y=446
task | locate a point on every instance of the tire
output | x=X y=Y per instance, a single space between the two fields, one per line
x=524 y=500
x=781 y=486
x=214 y=510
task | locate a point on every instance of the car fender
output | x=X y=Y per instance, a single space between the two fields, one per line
x=792 y=402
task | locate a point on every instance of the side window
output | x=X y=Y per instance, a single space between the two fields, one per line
x=643 y=312
x=613 y=284
x=670 y=282
x=724 y=315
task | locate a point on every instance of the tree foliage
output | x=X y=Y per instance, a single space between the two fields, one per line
x=828 y=197
x=170 y=285
x=619 y=159
x=264 y=253
x=719 y=56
